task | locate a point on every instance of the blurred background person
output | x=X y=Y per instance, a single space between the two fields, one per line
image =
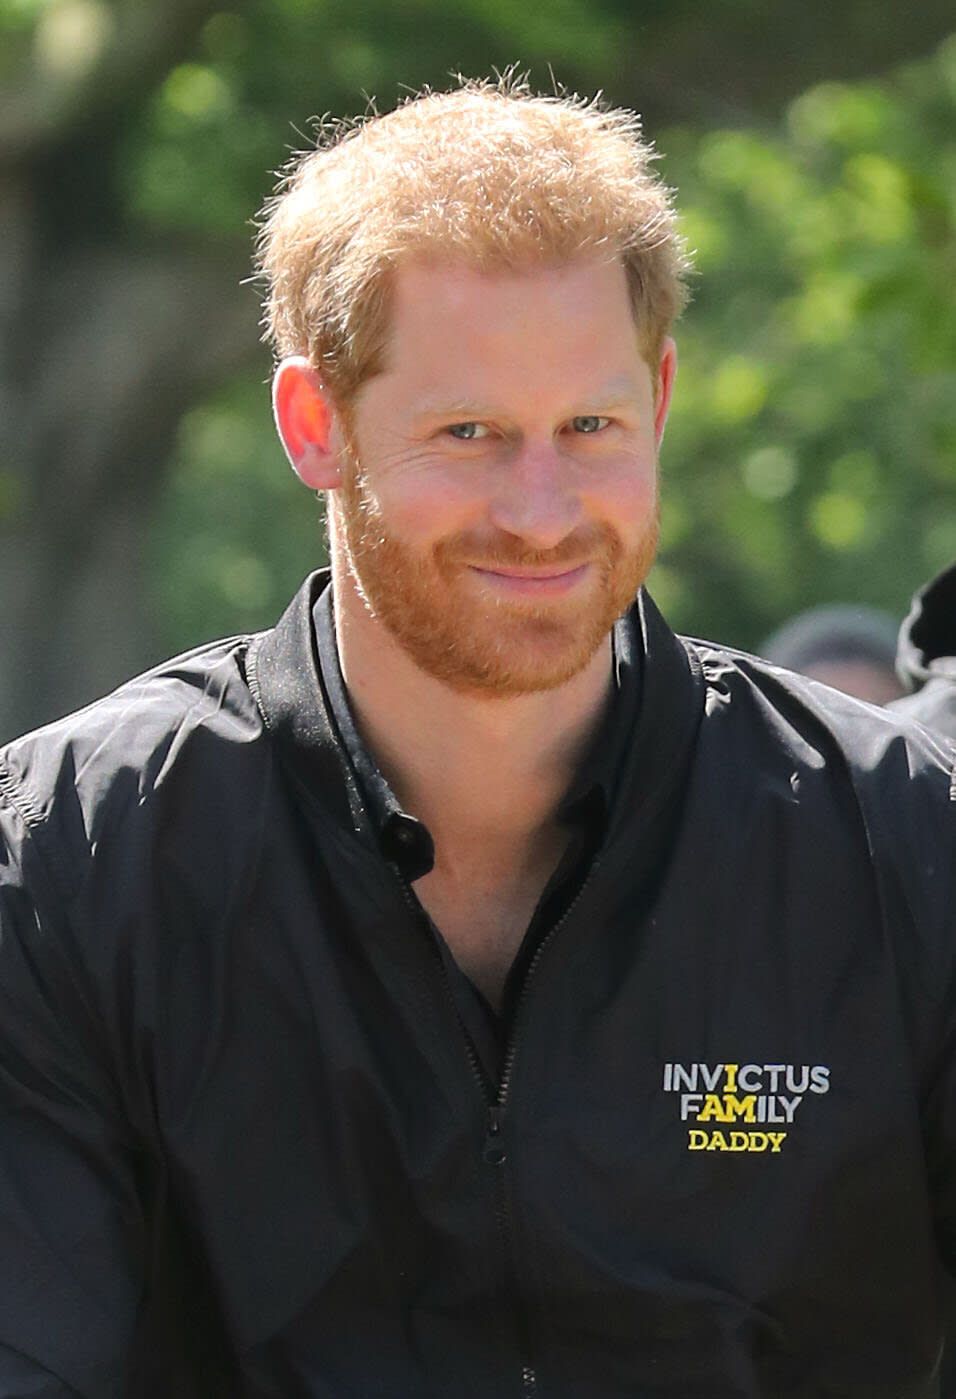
x=852 y=648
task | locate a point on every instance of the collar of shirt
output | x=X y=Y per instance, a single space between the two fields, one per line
x=406 y=841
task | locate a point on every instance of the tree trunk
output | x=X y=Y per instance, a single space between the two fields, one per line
x=105 y=350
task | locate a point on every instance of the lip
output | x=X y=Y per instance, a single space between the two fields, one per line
x=533 y=582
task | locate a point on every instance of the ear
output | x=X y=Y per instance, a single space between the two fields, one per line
x=666 y=373
x=304 y=421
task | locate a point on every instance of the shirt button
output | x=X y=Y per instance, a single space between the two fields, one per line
x=495 y=1154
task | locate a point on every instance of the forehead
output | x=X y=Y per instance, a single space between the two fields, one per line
x=534 y=326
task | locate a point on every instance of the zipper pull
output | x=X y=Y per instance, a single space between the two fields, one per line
x=494 y=1152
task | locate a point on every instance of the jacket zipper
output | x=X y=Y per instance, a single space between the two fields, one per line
x=504 y=1087
x=494 y=1153
x=496 y=1156
x=529 y=1379
x=474 y=1063
x=496 y=1100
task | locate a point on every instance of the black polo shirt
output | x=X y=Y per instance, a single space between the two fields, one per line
x=408 y=845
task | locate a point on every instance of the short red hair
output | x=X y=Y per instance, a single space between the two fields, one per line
x=488 y=174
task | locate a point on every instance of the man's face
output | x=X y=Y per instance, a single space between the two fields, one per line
x=499 y=506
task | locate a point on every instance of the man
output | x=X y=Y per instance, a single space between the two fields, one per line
x=468 y=988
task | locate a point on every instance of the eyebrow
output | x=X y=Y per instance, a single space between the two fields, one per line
x=463 y=410
x=610 y=395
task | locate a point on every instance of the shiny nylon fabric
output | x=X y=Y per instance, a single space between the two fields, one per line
x=210 y=976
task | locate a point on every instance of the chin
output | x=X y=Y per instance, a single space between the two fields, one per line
x=478 y=643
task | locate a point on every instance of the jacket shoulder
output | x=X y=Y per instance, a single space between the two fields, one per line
x=869 y=770
x=934 y=705
x=902 y=775
x=67 y=786
x=808 y=717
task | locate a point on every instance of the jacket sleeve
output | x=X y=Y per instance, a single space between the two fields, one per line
x=939 y=1114
x=25 y=1379
x=73 y=1240
x=924 y=851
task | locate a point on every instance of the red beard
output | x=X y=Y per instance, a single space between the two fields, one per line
x=459 y=631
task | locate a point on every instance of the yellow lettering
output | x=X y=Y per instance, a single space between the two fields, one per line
x=735 y=1141
x=731 y=1072
x=713 y=1109
x=735 y=1107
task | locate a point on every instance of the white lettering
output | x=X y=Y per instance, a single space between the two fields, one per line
x=685 y=1078
x=749 y=1078
x=798 y=1087
x=690 y=1105
x=710 y=1076
x=790 y=1106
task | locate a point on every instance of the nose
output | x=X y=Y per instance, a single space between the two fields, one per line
x=536 y=496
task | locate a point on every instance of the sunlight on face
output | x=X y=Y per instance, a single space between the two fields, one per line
x=499 y=508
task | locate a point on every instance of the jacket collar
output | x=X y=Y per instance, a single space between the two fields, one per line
x=282 y=669
x=285 y=678
x=661 y=746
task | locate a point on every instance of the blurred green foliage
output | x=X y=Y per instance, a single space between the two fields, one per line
x=236 y=532
x=811 y=453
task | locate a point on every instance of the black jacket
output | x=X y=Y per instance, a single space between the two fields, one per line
x=237 y=1107
x=926 y=655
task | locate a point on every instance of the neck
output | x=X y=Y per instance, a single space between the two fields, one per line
x=472 y=767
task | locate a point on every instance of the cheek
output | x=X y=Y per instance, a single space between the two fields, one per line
x=427 y=505
x=627 y=500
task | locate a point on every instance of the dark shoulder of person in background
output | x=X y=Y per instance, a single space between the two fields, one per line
x=926 y=655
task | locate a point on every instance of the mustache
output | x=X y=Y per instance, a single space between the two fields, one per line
x=505 y=550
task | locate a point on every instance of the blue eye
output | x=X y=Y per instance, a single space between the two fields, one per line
x=589 y=423
x=466 y=432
